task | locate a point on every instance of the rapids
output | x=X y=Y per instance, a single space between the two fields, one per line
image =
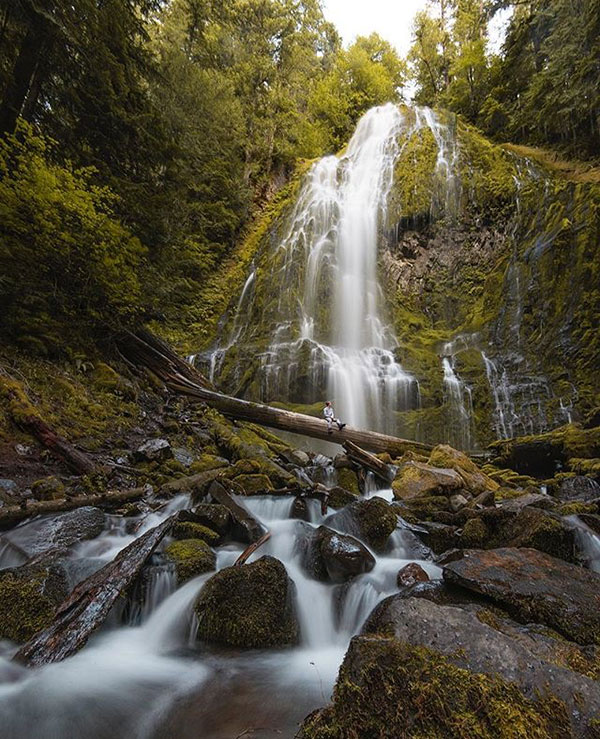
x=150 y=678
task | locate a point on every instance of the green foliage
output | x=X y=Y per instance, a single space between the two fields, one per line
x=63 y=256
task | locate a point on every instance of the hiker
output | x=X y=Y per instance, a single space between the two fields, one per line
x=329 y=414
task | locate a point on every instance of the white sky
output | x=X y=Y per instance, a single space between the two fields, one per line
x=392 y=20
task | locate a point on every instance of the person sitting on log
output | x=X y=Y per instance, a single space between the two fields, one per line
x=329 y=414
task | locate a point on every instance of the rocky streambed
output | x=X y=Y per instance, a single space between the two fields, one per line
x=462 y=600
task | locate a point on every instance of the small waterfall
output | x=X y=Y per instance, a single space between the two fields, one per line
x=457 y=398
x=589 y=542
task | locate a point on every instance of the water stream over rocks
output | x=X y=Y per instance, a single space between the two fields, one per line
x=151 y=678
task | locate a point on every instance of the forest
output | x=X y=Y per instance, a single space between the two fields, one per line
x=299 y=360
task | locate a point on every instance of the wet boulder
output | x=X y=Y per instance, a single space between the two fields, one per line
x=534 y=587
x=191 y=557
x=29 y=597
x=474 y=479
x=192 y=530
x=249 y=606
x=415 y=480
x=339 y=497
x=411 y=574
x=389 y=688
x=372 y=520
x=476 y=639
x=63 y=530
x=348 y=479
x=214 y=516
x=153 y=450
x=299 y=509
x=438 y=536
x=334 y=557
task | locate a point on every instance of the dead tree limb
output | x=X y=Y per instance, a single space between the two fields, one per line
x=182 y=378
x=90 y=602
x=370 y=461
x=251 y=549
x=14 y=514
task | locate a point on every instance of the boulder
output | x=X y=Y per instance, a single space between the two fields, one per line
x=411 y=574
x=415 y=480
x=191 y=557
x=438 y=536
x=532 y=586
x=474 y=479
x=299 y=509
x=388 y=688
x=342 y=460
x=348 y=479
x=214 y=516
x=249 y=606
x=483 y=642
x=254 y=484
x=334 y=557
x=193 y=530
x=153 y=450
x=64 y=530
x=183 y=456
x=578 y=488
x=29 y=597
x=245 y=527
x=371 y=520
x=340 y=497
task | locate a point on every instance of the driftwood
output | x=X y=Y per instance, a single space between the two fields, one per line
x=368 y=460
x=90 y=602
x=180 y=377
x=14 y=514
x=251 y=549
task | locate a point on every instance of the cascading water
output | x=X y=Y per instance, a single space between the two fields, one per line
x=150 y=679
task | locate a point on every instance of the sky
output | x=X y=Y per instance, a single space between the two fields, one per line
x=391 y=19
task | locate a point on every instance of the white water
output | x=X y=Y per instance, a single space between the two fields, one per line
x=154 y=681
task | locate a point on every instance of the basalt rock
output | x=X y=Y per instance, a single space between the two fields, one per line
x=334 y=557
x=249 y=606
x=534 y=587
x=371 y=520
x=481 y=641
x=474 y=479
x=411 y=574
x=415 y=480
x=191 y=557
x=389 y=688
x=214 y=516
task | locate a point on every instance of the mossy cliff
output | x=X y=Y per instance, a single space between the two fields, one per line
x=489 y=258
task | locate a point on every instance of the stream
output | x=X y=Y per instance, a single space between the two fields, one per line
x=152 y=679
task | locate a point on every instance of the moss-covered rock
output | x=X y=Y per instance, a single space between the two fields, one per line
x=249 y=606
x=348 y=479
x=415 y=480
x=48 y=488
x=191 y=557
x=340 y=497
x=474 y=479
x=388 y=688
x=192 y=530
x=371 y=520
x=255 y=484
x=29 y=597
x=474 y=534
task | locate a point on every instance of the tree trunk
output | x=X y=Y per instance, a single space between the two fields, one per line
x=13 y=514
x=90 y=602
x=179 y=376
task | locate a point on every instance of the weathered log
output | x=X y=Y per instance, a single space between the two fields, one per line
x=182 y=378
x=250 y=549
x=14 y=514
x=368 y=460
x=90 y=602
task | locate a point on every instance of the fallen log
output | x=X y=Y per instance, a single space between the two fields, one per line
x=181 y=378
x=90 y=602
x=14 y=514
x=25 y=416
x=384 y=471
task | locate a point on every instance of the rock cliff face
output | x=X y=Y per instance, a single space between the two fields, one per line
x=488 y=288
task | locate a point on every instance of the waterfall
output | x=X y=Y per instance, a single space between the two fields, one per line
x=460 y=407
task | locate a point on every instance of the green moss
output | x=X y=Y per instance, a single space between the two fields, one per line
x=474 y=534
x=255 y=484
x=191 y=557
x=192 y=530
x=575 y=508
x=207 y=462
x=49 y=488
x=387 y=688
x=340 y=497
x=376 y=520
x=248 y=606
x=426 y=507
x=348 y=480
